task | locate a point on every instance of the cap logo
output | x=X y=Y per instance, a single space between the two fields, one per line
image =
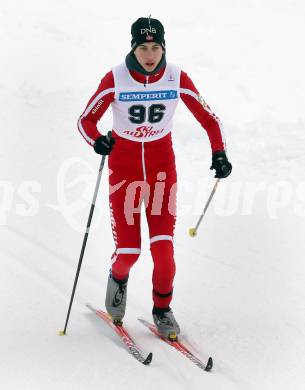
x=151 y=30
x=149 y=37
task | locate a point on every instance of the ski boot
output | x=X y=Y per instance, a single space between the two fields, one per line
x=116 y=295
x=166 y=324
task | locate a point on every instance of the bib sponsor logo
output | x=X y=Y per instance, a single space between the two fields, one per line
x=143 y=132
x=152 y=95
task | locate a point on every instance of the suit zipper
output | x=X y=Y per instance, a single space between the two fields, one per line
x=143 y=161
x=143 y=149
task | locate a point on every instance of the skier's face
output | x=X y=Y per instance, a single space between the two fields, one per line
x=149 y=55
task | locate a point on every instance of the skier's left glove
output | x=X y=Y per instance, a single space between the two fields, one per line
x=220 y=163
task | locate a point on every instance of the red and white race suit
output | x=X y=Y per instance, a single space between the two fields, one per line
x=142 y=163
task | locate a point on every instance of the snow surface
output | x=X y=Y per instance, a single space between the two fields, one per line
x=239 y=289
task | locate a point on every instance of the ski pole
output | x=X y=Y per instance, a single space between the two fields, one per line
x=193 y=231
x=63 y=332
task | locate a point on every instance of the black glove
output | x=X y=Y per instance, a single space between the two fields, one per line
x=104 y=144
x=221 y=165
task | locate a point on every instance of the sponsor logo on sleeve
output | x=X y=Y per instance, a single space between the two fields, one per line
x=97 y=106
x=202 y=101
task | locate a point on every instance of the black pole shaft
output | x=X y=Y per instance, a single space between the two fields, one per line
x=84 y=241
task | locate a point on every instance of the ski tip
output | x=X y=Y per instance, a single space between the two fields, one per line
x=143 y=321
x=148 y=359
x=209 y=365
x=61 y=333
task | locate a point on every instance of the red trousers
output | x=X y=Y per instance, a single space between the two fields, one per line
x=143 y=175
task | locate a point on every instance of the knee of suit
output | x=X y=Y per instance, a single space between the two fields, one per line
x=122 y=263
x=163 y=256
x=162 y=249
x=164 y=272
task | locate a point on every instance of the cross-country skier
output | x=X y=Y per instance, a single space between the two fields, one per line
x=143 y=93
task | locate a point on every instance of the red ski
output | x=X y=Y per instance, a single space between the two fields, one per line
x=132 y=348
x=180 y=347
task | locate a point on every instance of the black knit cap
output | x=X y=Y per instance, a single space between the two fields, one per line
x=147 y=30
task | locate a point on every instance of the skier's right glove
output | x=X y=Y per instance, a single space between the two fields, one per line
x=104 y=144
x=221 y=165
